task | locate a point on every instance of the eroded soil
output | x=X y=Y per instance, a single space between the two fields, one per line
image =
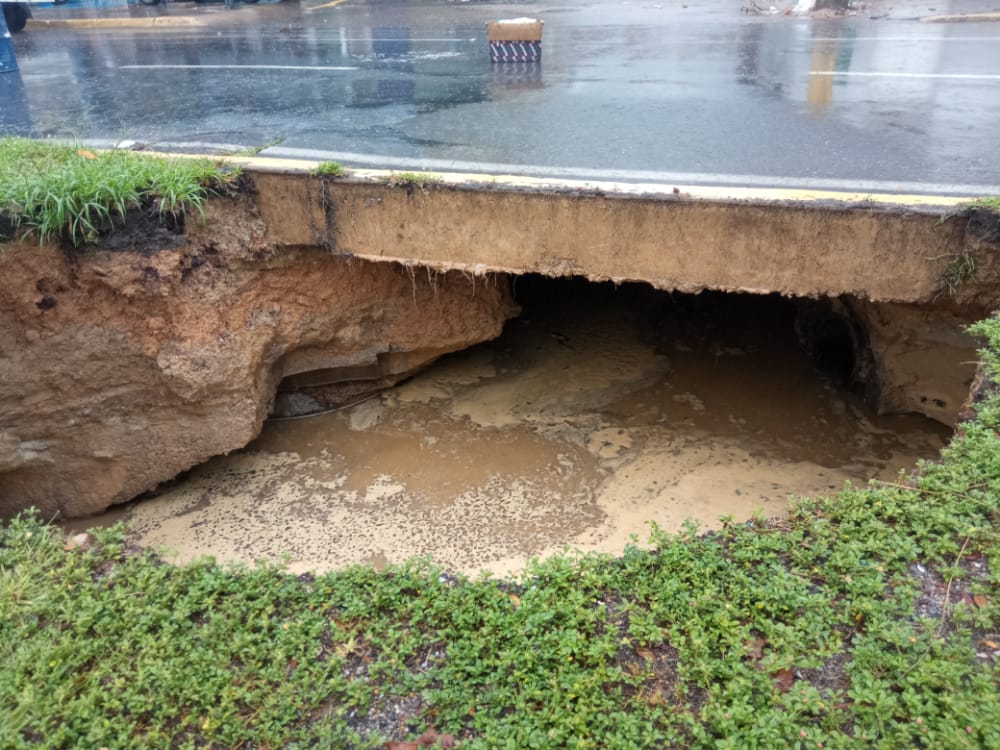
x=598 y=411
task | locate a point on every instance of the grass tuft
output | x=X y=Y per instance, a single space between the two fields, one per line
x=990 y=202
x=412 y=179
x=69 y=192
x=255 y=150
x=962 y=268
x=328 y=169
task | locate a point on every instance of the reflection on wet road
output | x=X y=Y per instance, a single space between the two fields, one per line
x=622 y=91
x=597 y=412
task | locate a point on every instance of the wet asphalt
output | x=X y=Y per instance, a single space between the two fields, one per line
x=633 y=91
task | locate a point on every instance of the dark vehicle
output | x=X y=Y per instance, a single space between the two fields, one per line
x=16 y=15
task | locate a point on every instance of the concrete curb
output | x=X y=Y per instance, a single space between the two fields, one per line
x=135 y=23
x=931 y=203
x=962 y=18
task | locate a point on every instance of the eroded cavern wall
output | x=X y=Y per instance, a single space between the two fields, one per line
x=923 y=360
x=120 y=369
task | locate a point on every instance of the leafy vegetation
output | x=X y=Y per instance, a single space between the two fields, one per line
x=328 y=169
x=868 y=619
x=64 y=191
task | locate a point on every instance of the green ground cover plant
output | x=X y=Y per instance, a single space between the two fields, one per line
x=866 y=619
x=74 y=194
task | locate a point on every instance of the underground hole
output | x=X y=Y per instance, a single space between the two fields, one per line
x=834 y=351
x=600 y=408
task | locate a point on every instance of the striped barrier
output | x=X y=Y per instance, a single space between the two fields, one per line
x=515 y=51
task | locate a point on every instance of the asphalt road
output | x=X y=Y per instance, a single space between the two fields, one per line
x=625 y=90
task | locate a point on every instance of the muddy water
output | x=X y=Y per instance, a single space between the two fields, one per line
x=598 y=411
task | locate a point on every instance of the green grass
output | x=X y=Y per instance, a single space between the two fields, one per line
x=412 y=179
x=855 y=622
x=68 y=192
x=255 y=150
x=328 y=169
x=962 y=268
x=990 y=202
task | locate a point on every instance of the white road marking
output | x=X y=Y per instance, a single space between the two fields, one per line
x=962 y=39
x=238 y=67
x=867 y=74
x=409 y=39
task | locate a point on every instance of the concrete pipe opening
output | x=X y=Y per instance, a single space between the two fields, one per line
x=837 y=345
x=834 y=350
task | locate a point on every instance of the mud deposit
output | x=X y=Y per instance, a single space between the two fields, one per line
x=598 y=411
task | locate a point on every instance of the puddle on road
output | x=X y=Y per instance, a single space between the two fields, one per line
x=596 y=412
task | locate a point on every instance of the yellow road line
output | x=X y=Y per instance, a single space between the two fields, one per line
x=331 y=4
x=623 y=189
x=134 y=23
x=963 y=18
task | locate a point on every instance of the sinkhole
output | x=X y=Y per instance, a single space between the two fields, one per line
x=600 y=409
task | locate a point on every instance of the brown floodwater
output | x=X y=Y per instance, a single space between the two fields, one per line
x=599 y=411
